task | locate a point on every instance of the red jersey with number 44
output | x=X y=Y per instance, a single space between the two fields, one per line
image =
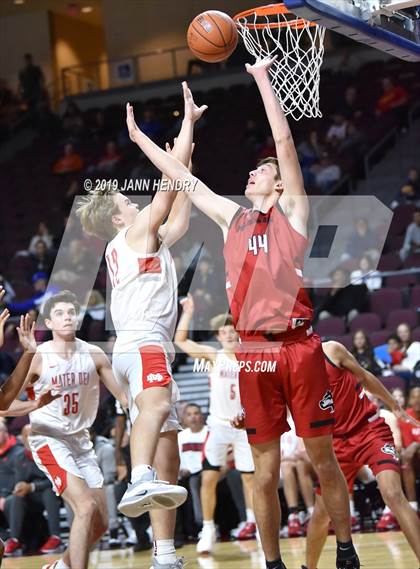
x=264 y=258
x=353 y=409
x=409 y=433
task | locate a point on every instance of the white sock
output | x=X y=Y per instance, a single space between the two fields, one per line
x=352 y=510
x=164 y=551
x=386 y=511
x=208 y=524
x=250 y=518
x=310 y=510
x=413 y=505
x=61 y=565
x=138 y=472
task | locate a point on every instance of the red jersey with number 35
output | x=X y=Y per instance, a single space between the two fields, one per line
x=353 y=409
x=264 y=258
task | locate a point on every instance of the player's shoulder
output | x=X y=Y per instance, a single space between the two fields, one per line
x=334 y=350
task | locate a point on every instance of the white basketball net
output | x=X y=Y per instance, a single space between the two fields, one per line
x=299 y=46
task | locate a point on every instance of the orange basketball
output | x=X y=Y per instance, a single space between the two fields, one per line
x=212 y=36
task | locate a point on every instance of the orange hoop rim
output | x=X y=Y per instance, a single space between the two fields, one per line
x=271 y=10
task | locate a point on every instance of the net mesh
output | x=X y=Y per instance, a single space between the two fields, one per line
x=299 y=46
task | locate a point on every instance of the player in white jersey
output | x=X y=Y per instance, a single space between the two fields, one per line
x=225 y=404
x=59 y=438
x=143 y=308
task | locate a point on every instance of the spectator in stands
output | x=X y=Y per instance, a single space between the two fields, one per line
x=43 y=234
x=399 y=396
x=343 y=300
x=73 y=121
x=181 y=406
x=362 y=350
x=9 y=449
x=411 y=243
x=410 y=349
x=105 y=455
x=371 y=278
x=43 y=259
x=361 y=242
x=394 y=99
x=78 y=259
x=69 y=162
x=351 y=109
x=326 y=173
x=338 y=130
x=354 y=143
x=110 y=159
x=150 y=125
x=413 y=179
x=97 y=127
x=310 y=150
x=411 y=448
x=32 y=494
x=410 y=191
x=191 y=444
x=31 y=84
x=39 y=282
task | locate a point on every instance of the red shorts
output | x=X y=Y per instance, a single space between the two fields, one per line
x=297 y=378
x=373 y=445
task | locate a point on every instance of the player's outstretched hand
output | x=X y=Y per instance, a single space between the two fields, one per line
x=187 y=304
x=46 y=398
x=4 y=316
x=26 y=333
x=261 y=66
x=238 y=422
x=133 y=129
x=405 y=417
x=191 y=111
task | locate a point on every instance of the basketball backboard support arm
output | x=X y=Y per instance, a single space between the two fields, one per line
x=389 y=34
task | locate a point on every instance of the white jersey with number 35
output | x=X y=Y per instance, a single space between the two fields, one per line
x=144 y=293
x=77 y=381
x=225 y=402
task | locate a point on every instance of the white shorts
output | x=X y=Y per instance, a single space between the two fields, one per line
x=216 y=446
x=147 y=367
x=73 y=454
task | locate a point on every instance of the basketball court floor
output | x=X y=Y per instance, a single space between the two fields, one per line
x=377 y=551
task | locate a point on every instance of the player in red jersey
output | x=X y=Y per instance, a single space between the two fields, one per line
x=410 y=434
x=362 y=437
x=264 y=252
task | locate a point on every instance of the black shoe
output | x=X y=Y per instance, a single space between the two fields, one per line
x=352 y=563
x=142 y=546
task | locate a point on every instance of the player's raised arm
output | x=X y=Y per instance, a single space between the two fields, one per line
x=15 y=383
x=367 y=380
x=179 y=218
x=193 y=349
x=219 y=209
x=293 y=200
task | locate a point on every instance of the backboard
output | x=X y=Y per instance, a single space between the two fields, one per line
x=392 y=26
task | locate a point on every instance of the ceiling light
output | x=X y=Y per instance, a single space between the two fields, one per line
x=87 y=9
x=19 y=2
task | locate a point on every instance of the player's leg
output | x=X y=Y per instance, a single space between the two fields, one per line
x=244 y=462
x=163 y=521
x=334 y=489
x=389 y=483
x=85 y=509
x=306 y=484
x=214 y=456
x=266 y=499
x=291 y=494
x=150 y=382
x=101 y=520
x=317 y=533
x=410 y=469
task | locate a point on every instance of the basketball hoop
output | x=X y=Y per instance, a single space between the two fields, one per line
x=299 y=46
